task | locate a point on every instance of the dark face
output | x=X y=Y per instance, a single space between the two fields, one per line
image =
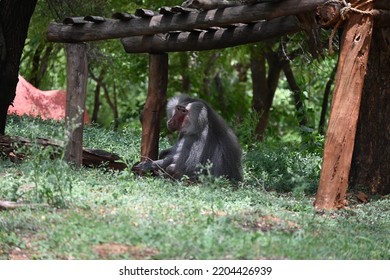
x=179 y=119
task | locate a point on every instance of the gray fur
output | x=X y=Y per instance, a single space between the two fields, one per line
x=206 y=139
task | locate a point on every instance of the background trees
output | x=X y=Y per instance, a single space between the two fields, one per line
x=242 y=82
x=273 y=90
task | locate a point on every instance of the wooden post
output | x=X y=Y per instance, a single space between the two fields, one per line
x=154 y=106
x=341 y=132
x=77 y=74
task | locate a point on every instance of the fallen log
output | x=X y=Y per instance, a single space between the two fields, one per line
x=11 y=205
x=90 y=157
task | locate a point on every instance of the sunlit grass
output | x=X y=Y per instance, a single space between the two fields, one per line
x=104 y=214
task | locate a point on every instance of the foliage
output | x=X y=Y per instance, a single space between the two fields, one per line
x=103 y=214
x=222 y=77
x=283 y=168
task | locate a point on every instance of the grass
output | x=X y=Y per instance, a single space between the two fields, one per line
x=102 y=214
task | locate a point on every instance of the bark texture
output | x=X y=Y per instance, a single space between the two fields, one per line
x=371 y=158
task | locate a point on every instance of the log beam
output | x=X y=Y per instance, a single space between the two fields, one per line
x=76 y=92
x=347 y=94
x=111 y=29
x=211 y=39
x=154 y=106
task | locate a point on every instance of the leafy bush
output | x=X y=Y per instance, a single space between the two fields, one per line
x=283 y=169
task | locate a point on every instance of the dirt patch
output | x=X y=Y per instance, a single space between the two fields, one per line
x=25 y=253
x=19 y=254
x=268 y=223
x=112 y=250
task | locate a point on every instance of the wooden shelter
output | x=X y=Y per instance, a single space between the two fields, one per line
x=174 y=29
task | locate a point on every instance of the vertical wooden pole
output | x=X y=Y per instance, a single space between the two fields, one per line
x=347 y=94
x=77 y=74
x=154 y=106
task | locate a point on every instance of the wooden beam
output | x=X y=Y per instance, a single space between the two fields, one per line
x=112 y=29
x=211 y=39
x=347 y=94
x=154 y=106
x=77 y=74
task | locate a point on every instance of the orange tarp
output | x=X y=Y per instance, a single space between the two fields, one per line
x=35 y=102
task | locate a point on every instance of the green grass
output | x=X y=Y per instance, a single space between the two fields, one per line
x=102 y=214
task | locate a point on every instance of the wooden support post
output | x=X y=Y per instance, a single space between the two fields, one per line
x=341 y=132
x=154 y=106
x=77 y=74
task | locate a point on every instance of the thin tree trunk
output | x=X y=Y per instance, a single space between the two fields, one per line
x=264 y=86
x=207 y=72
x=298 y=102
x=99 y=86
x=220 y=91
x=185 y=77
x=325 y=101
x=39 y=63
x=111 y=104
x=97 y=104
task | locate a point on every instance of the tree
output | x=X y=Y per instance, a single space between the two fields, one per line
x=264 y=86
x=14 y=21
x=371 y=158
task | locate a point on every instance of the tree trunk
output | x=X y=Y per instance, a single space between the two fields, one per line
x=371 y=158
x=96 y=104
x=185 y=77
x=14 y=21
x=325 y=101
x=297 y=96
x=40 y=61
x=340 y=136
x=210 y=63
x=264 y=86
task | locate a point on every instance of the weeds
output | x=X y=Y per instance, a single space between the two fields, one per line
x=103 y=214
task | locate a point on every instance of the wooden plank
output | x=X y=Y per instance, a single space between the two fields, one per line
x=124 y=16
x=96 y=19
x=183 y=10
x=185 y=22
x=77 y=74
x=74 y=21
x=207 y=40
x=166 y=11
x=347 y=94
x=145 y=13
x=154 y=106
